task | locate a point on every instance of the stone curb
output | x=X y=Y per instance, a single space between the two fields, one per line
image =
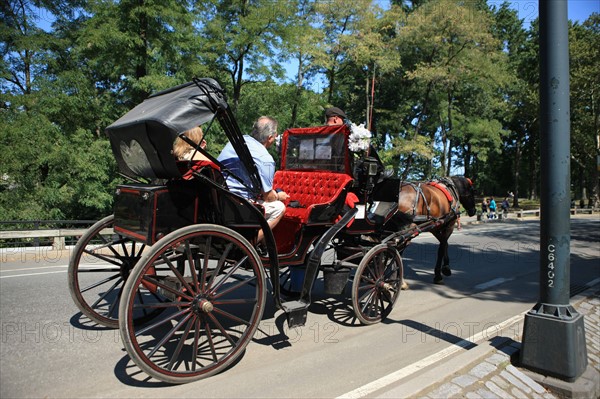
x=478 y=363
x=412 y=386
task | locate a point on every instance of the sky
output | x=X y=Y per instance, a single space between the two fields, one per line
x=578 y=10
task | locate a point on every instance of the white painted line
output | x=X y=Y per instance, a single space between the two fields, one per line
x=492 y=283
x=32 y=268
x=33 y=274
x=376 y=385
x=81 y=266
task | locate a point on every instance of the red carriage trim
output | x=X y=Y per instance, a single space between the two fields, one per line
x=187 y=168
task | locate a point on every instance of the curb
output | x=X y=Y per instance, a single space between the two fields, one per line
x=433 y=380
x=411 y=386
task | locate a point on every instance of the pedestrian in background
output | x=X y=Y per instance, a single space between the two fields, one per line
x=492 y=207
x=484 y=207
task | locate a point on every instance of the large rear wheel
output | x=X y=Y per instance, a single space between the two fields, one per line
x=211 y=309
x=98 y=268
x=376 y=284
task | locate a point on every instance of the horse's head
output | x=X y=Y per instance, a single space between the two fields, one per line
x=466 y=193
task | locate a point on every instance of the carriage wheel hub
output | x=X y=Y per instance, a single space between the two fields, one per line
x=127 y=266
x=385 y=286
x=202 y=305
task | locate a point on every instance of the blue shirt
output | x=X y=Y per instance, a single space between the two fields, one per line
x=264 y=163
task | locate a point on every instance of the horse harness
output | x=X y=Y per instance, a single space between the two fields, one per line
x=445 y=185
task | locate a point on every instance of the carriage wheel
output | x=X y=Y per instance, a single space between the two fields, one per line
x=377 y=284
x=98 y=268
x=211 y=310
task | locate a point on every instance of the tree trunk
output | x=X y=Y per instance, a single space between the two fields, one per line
x=237 y=83
x=516 y=174
x=468 y=156
x=449 y=133
x=368 y=101
x=298 y=96
x=331 y=77
x=595 y=189
x=444 y=139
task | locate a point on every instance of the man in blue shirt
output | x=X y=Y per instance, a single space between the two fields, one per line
x=264 y=134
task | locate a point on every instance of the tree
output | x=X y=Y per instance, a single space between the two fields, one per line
x=302 y=42
x=454 y=69
x=584 y=49
x=241 y=39
x=135 y=47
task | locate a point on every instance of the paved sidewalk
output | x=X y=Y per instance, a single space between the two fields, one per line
x=490 y=370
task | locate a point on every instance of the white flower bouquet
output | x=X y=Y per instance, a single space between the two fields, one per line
x=359 y=139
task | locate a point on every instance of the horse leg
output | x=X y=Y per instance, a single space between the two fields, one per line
x=442 y=264
x=446 y=271
x=437 y=272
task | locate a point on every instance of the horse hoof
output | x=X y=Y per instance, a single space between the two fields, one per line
x=404 y=286
x=446 y=271
x=438 y=280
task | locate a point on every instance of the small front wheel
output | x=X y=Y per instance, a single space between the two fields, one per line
x=377 y=284
x=212 y=307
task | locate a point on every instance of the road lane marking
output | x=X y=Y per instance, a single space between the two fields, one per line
x=81 y=267
x=493 y=283
x=384 y=381
x=32 y=268
x=33 y=274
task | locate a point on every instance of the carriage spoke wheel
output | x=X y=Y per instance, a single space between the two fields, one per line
x=100 y=265
x=376 y=284
x=211 y=309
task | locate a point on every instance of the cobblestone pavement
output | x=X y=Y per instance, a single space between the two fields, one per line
x=495 y=376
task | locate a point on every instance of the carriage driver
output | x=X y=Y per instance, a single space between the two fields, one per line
x=334 y=116
x=264 y=133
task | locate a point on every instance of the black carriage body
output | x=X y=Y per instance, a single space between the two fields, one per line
x=141 y=142
x=147 y=213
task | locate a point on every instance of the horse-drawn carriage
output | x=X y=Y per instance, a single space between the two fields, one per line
x=176 y=267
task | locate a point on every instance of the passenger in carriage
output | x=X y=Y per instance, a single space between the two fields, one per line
x=185 y=152
x=263 y=136
x=335 y=116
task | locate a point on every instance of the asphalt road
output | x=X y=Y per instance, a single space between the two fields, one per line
x=48 y=349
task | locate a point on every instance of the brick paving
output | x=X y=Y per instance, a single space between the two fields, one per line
x=495 y=377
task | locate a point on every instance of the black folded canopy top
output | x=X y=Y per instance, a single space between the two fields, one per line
x=142 y=139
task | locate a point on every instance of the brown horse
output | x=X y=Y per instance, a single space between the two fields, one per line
x=436 y=202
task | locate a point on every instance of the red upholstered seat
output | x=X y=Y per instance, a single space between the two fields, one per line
x=314 y=192
x=309 y=189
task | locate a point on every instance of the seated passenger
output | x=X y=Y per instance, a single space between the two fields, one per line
x=264 y=134
x=185 y=152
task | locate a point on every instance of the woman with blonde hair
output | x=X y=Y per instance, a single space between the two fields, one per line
x=185 y=152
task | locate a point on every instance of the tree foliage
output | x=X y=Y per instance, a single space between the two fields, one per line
x=446 y=86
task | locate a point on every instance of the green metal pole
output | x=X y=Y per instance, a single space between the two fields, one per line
x=554 y=333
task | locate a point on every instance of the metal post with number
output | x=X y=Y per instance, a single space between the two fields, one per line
x=554 y=332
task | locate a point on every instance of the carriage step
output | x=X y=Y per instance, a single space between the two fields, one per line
x=295 y=312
